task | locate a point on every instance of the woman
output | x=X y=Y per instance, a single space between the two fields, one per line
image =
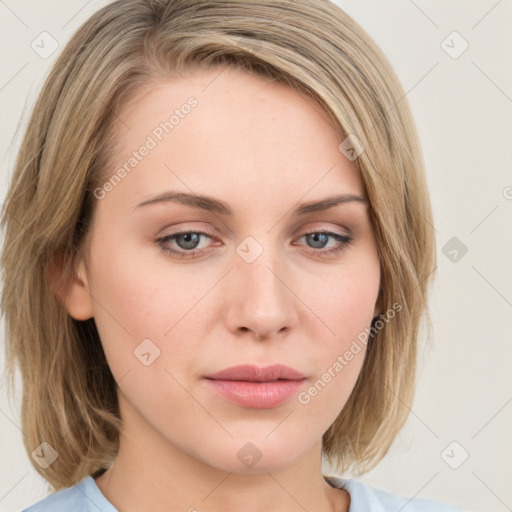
x=225 y=254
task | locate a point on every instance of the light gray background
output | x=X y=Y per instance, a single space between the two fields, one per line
x=462 y=108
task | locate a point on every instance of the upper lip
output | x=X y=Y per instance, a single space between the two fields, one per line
x=251 y=373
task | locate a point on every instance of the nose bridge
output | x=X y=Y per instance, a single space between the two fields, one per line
x=262 y=276
x=263 y=301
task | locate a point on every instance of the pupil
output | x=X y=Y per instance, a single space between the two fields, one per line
x=316 y=237
x=191 y=240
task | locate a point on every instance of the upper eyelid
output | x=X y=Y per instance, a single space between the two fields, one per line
x=212 y=236
x=318 y=226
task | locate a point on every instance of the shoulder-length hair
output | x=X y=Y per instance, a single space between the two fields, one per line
x=69 y=394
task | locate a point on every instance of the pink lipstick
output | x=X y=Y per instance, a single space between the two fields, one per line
x=256 y=387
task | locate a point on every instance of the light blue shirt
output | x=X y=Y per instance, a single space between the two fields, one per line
x=85 y=496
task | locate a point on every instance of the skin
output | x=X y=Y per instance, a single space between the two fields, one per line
x=262 y=148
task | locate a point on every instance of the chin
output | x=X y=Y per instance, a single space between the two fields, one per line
x=246 y=457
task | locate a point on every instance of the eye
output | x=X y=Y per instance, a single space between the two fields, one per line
x=187 y=242
x=319 y=240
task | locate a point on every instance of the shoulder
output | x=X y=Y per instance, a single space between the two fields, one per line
x=81 y=497
x=364 y=497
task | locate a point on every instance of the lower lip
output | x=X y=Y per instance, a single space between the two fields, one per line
x=257 y=395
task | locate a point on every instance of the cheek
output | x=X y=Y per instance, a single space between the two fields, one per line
x=143 y=309
x=147 y=340
x=343 y=299
x=343 y=303
x=339 y=353
x=141 y=291
x=326 y=395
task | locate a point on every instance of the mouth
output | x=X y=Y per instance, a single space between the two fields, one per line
x=255 y=387
x=252 y=373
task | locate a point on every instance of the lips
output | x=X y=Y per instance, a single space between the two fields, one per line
x=251 y=373
x=256 y=387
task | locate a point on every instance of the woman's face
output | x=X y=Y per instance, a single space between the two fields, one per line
x=253 y=282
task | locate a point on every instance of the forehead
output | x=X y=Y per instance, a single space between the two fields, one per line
x=225 y=131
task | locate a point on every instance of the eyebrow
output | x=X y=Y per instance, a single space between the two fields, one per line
x=217 y=206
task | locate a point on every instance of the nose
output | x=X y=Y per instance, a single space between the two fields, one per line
x=260 y=298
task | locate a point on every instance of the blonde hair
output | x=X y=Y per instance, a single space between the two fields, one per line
x=69 y=394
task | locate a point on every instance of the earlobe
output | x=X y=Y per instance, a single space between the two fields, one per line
x=72 y=289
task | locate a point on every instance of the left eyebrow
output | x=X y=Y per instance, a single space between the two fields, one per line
x=328 y=202
x=215 y=205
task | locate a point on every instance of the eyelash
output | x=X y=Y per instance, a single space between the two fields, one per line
x=345 y=241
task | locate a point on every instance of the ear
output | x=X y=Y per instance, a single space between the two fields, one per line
x=71 y=287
